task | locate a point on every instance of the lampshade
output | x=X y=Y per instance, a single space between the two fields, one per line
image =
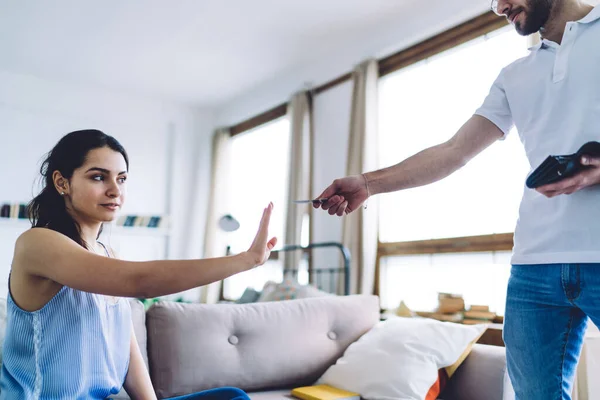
x=228 y=223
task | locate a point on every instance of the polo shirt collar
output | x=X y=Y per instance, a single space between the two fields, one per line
x=592 y=16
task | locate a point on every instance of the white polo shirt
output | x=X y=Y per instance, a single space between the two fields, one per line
x=552 y=97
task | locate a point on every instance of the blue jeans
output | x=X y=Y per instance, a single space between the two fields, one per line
x=224 y=393
x=547 y=307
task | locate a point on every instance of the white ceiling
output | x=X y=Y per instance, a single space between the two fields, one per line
x=206 y=52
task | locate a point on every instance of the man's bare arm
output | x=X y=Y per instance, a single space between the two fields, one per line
x=437 y=162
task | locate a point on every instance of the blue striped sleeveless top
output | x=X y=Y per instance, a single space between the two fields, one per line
x=75 y=347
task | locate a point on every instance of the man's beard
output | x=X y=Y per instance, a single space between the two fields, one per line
x=538 y=12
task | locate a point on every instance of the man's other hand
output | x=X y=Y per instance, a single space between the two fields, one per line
x=590 y=176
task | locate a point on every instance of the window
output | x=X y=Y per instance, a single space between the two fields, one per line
x=480 y=277
x=259 y=174
x=423 y=105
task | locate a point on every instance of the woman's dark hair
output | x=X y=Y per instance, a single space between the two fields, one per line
x=48 y=209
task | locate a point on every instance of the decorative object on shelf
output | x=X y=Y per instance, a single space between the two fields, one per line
x=478 y=315
x=449 y=303
x=144 y=221
x=404 y=311
x=13 y=210
x=451 y=308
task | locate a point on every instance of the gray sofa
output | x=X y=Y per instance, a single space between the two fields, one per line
x=269 y=348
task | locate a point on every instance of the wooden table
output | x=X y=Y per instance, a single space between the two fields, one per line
x=492 y=335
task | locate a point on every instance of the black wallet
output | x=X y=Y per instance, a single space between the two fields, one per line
x=555 y=168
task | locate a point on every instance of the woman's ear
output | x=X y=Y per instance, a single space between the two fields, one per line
x=61 y=184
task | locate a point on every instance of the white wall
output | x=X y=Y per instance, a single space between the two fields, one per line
x=442 y=15
x=168 y=145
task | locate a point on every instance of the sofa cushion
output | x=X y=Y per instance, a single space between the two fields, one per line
x=194 y=347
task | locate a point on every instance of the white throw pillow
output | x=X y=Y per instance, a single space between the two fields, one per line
x=400 y=358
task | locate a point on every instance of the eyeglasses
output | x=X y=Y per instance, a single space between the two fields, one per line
x=494 y=7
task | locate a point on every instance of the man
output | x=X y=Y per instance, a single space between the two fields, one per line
x=552 y=96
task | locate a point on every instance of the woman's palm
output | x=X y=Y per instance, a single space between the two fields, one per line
x=261 y=247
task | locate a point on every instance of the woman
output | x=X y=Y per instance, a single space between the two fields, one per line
x=68 y=333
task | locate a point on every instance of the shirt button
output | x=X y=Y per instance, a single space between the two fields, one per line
x=332 y=335
x=233 y=339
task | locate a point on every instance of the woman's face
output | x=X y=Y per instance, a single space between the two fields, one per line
x=97 y=189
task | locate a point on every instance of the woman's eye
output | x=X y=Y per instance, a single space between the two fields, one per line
x=122 y=180
x=98 y=178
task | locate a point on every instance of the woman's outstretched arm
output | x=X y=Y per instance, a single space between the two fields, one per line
x=47 y=254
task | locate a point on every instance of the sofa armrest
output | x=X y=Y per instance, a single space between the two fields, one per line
x=481 y=375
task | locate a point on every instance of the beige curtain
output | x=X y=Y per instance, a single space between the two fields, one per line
x=360 y=228
x=215 y=241
x=299 y=176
